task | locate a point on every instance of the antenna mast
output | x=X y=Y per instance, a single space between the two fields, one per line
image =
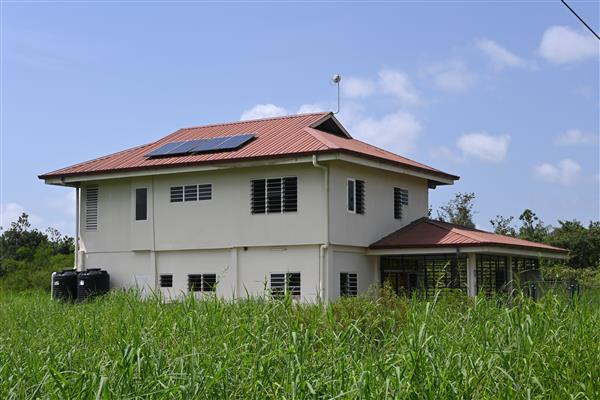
x=335 y=79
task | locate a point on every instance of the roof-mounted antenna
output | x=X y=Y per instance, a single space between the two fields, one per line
x=335 y=80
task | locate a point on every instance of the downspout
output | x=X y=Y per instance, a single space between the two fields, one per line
x=153 y=252
x=77 y=200
x=325 y=245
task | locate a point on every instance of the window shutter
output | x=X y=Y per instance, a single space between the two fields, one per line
x=400 y=199
x=209 y=282
x=274 y=195
x=166 y=281
x=290 y=194
x=258 y=197
x=277 y=285
x=360 y=197
x=194 y=282
x=294 y=284
x=176 y=194
x=141 y=204
x=205 y=192
x=91 y=208
x=191 y=193
x=348 y=284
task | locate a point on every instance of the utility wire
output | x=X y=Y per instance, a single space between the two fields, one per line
x=582 y=21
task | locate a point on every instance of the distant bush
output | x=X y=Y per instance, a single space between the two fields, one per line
x=582 y=276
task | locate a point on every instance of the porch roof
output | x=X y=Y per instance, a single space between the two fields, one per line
x=427 y=235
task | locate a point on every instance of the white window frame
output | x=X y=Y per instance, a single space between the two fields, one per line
x=85 y=220
x=285 y=283
x=340 y=282
x=353 y=211
x=202 y=282
x=134 y=194
x=183 y=185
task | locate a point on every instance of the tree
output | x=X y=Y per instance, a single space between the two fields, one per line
x=583 y=243
x=20 y=241
x=502 y=225
x=458 y=210
x=532 y=227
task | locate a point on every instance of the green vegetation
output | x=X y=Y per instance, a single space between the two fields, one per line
x=122 y=347
x=28 y=257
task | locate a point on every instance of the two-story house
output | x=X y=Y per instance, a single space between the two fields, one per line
x=290 y=204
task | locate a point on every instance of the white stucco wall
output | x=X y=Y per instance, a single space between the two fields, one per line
x=352 y=260
x=378 y=220
x=221 y=235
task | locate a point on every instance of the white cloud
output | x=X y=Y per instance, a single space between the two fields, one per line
x=483 y=146
x=499 y=56
x=565 y=172
x=397 y=83
x=10 y=212
x=310 y=108
x=574 y=137
x=453 y=76
x=263 y=111
x=562 y=45
x=397 y=132
x=353 y=87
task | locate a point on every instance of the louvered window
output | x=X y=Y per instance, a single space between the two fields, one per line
x=91 y=208
x=274 y=195
x=356 y=196
x=286 y=283
x=202 y=282
x=166 y=281
x=141 y=204
x=191 y=193
x=176 y=194
x=400 y=199
x=205 y=192
x=348 y=284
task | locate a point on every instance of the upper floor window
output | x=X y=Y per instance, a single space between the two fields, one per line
x=400 y=199
x=274 y=195
x=348 y=284
x=141 y=204
x=356 y=196
x=191 y=193
x=91 y=208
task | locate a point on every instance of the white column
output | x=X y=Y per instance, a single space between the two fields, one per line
x=471 y=274
x=235 y=272
x=76 y=239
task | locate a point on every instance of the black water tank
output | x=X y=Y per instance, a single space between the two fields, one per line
x=92 y=282
x=64 y=284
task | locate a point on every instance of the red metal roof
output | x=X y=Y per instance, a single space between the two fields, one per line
x=275 y=137
x=425 y=232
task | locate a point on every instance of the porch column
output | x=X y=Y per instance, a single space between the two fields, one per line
x=471 y=274
x=509 y=274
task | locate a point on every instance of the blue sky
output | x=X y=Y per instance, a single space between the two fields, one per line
x=504 y=94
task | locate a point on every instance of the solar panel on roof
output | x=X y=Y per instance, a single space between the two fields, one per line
x=233 y=142
x=201 y=146
x=164 y=149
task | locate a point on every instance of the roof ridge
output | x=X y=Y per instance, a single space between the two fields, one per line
x=289 y=116
x=317 y=134
x=455 y=227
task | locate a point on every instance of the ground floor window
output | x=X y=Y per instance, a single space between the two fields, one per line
x=202 y=282
x=348 y=284
x=424 y=274
x=166 y=280
x=285 y=283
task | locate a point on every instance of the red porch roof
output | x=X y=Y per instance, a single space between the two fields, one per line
x=294 y=135
x=428 y=233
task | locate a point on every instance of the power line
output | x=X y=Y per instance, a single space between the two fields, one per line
x=582 y=21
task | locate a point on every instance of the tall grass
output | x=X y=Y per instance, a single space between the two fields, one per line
x=122 y=347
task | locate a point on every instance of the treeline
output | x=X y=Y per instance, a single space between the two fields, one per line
x=28 y=256
x=583 y=242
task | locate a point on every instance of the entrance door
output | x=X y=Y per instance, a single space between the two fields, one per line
x=401 y=282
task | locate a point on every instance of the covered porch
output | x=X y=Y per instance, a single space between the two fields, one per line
x=426 y=256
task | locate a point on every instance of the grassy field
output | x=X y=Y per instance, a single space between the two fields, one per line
x=122 y=347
